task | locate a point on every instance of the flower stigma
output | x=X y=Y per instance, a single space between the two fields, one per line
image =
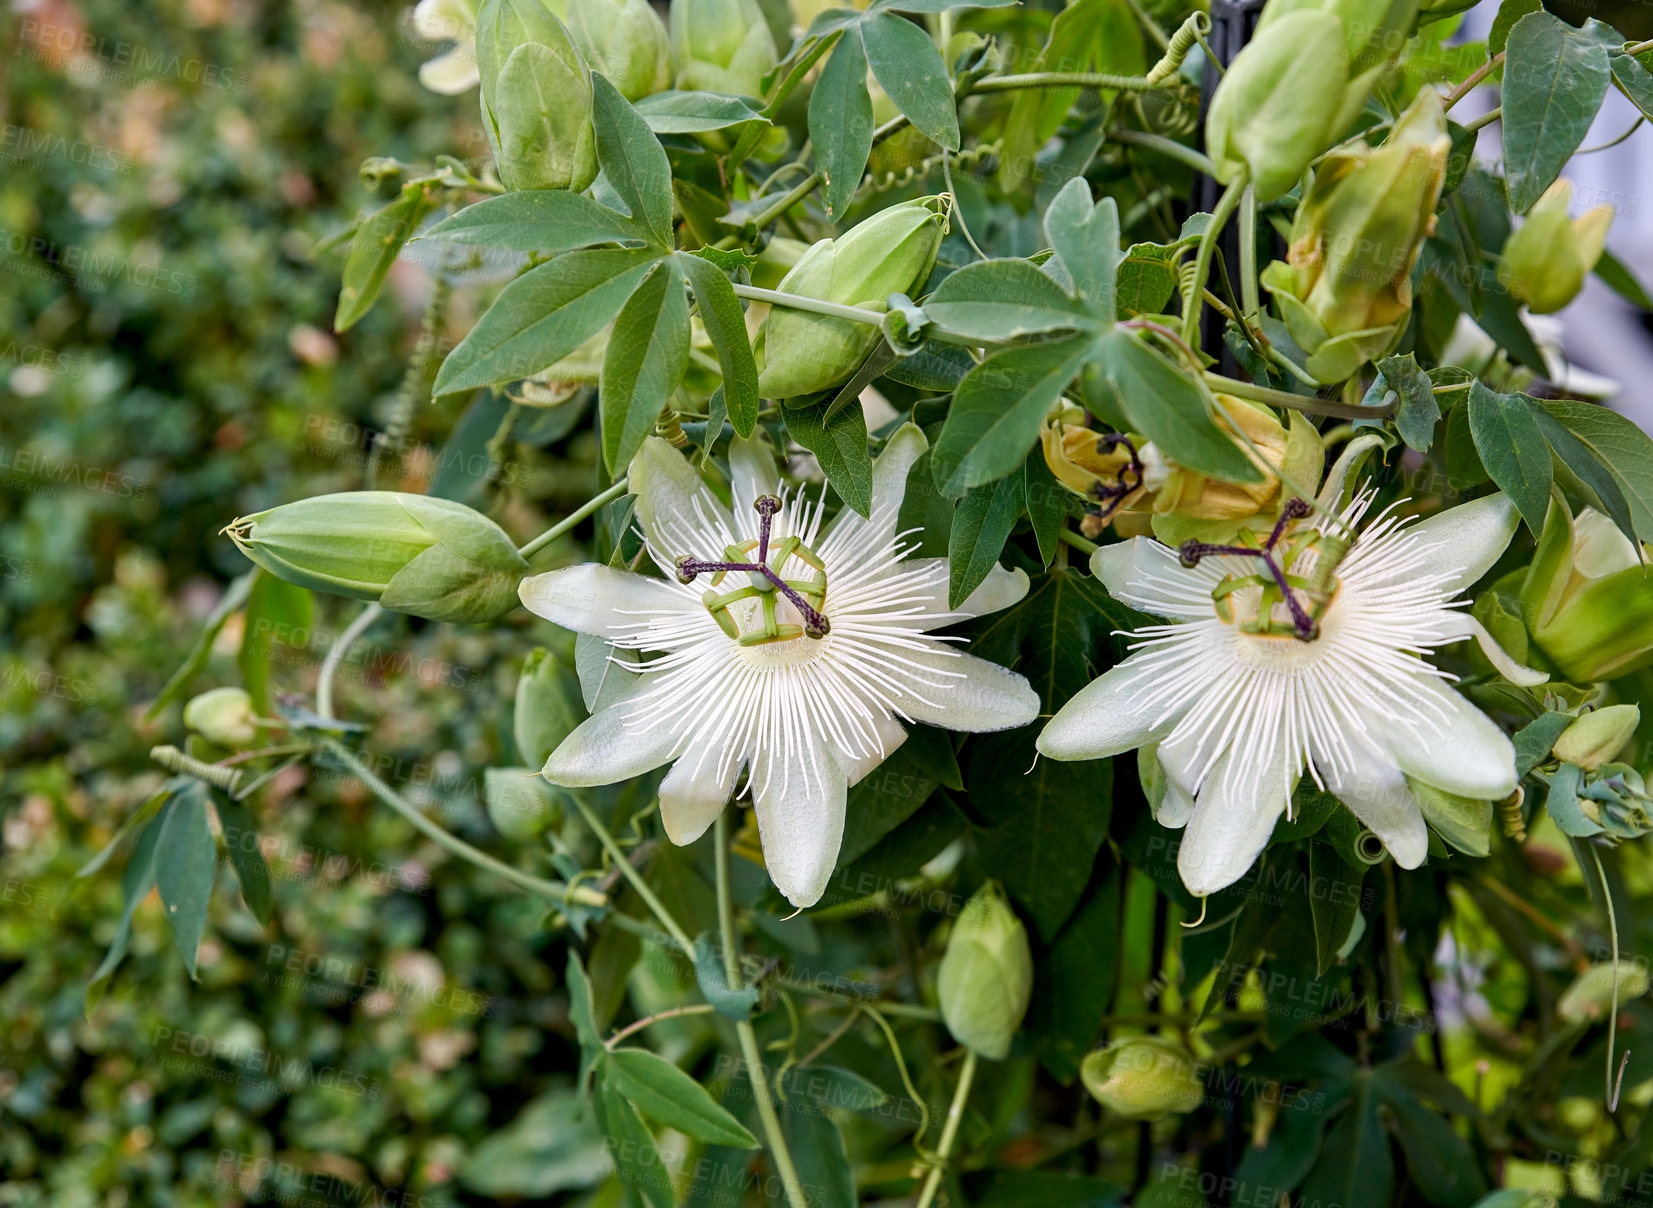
x=1314 y=552
x=807 y=595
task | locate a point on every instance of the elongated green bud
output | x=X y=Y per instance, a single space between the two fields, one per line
x=1548 y=257
x=1143 y=1078
x=986 y=975
x=536 y=97
x=430 y=557
x=721 y=46
x=800 y=352
x=1270 y=114
x=1346 y=288
x=1596 y=737
x=224 y=716
x=626 y=41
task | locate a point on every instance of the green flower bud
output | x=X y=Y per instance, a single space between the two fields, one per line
x=1590 y=996
x=1464 y=822
x=1270 y=114
x=536 y=97
x=1347 y=288
x=626 y=41
x=1550 y=255
x=521 y=805
x=1586 y=600
x=1374 y=31
x=548 y=706
x=1143 y=1078
x=892 y=252
x=1596 y=737
x=986 y=975
x=224 y=716
x=412 y=553
x=721 y=46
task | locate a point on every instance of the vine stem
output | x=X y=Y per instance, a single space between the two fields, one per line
x=949 y=1130
x=743 y=1027
x=578 y=514
x=1202 y=258
x=1149 y=141
x=694 y=1008
x=1064 y=79
x=655 y=905
x=1474 y=78
x=1296 y=402
x=855 y=314
x=554 y=890
x=1486 y=119
x=1069 y=537
x=335 y=657
x=1612 y=1095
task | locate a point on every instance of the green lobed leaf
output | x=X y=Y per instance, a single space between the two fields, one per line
x=1001 y=300
x=1334 y=902
x=1073 y=980
x=1047 y=505
x=1534 y=740
x=666 y=1095
x=1509 y=12
x=840 y=123
x=997 y=412
x=583 y=1012
x=1086 y=238
x=630 y=1144
x=1439 y=1161
x=1146 y=278
x=1168 y=407
x=378 y=241
x=544 y=315
x=714 y=983
x=536 y=220
x=817 y=1148
x=233 y=599
x=689 y=112
x=1513 y=450
x=1618 y=278
x=1636 y=82
x=1419 y=412
x=647 y=355
x=186 y=862
x=1355 y=1166
x=909 y=69
x=240 y=832
x=136 y=882
x=1555 y=78
x=633 y=161
x=840 y=445
x=981 y=525
x=725 y=324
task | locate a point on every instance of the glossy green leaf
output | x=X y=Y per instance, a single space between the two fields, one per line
x=1001 y=300
x=136 y=882
x=1439 y=1161
x=817 y=1148
x=1509 y=12
x=1334 y=901
x=1355 y=1166
x=1622 y=447
x=1555 y=78
x=582 y=1012
x=633 y=162
x=840 y=445
x=1513 y=450
x=1167 y=406
x=648 y=352
x=1635 y=81
x=186 y=862
x=998 y=410
x=1589 y=469
x=378 y=241
x=1048 y=502
x=240 y=832
x=1146 y=278
x=544 y=315
x=909 y=69
x=714 y=982
x=1073 y=980
x=981 y=525
x=1618 y=278
x=840 y=123
x=536 y=220
x=666 y=1095
x=725 y=325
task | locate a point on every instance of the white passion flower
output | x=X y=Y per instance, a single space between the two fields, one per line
x=1285 y=657
x=782 y=650
x=453 y=71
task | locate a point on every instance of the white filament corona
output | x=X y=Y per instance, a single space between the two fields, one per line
x=807 y=716
x=1239 y=716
